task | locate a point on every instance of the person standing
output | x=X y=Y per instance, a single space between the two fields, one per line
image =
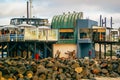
x=90 y=54
x=37 y=56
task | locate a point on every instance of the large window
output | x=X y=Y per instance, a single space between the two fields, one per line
x=66 y=33
x=99 y=34
x=85 y=33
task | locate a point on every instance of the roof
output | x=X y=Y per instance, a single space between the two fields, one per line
x=28 y=18
x=8 y=27
x=43 y=27
x=25 y=25
x=66 y=20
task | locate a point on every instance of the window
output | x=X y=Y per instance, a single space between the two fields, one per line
x=85 y=33
x=66 y=33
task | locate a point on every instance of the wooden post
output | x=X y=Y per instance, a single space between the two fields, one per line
x=2 y=49
x=34 y=48
x=27 y=49
x=105 y=50
x=99 y=50
x=8 y=49
x=45 y=50
x=16 y=48
x=111 y=50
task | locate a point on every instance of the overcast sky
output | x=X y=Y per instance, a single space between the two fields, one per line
x=48 y=8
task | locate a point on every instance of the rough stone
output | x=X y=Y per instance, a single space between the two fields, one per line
x=75 y=65
x=95 y=71
x=105 y=71
x=78 y=69
x=58 y=69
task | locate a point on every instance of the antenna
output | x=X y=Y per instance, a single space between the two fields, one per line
x=111 y=22
x=103 y=22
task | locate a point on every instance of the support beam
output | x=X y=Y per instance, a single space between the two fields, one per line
x=2 y=49
x=8 y=49
x=105 y=50
x=45 y=50
x=99 y=50
x=111 y=51
x=16 y=48
x=94 y=49
x=27 y=49
x=34 y=49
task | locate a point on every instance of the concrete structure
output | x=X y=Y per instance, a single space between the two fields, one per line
x=84 y=40
x=71 y=27
x=67 y=35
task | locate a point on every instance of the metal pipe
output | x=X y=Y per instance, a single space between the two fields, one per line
x=30 y=8
x=100 y=20
x=105 y=50
x=111 y=22
x=111 y=50
x=27 y=9
x=105 y=22
x=102 y=23
x=99 y=50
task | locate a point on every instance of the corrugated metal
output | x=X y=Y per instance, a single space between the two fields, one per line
x=64 y=23
x=66 y=20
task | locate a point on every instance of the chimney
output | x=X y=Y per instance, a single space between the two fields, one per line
x=27 y=9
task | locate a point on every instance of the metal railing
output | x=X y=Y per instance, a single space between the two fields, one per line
x=47 y=35
x=11 y=37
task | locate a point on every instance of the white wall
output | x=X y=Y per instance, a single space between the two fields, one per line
x=64 y=48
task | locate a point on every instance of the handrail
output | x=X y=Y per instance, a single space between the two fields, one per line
x=41 y=35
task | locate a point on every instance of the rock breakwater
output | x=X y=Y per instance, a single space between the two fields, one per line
x=58 y=69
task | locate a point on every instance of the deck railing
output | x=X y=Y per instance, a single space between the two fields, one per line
x=44 y=35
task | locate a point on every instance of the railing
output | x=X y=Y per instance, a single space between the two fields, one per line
x=11 y=37
x=87 y=40
x=67 y=40
x=5 y=38
x=44 y=35
x=20 y=37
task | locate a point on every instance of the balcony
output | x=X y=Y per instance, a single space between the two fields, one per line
x=32 y=35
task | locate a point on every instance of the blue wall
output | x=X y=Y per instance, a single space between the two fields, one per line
x=86 y=23
x=83 y=45
x=84 y=50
